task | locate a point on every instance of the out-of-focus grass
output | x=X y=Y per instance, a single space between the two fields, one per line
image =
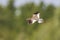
x=46 y=31
x=49 y=30
x=16 y=28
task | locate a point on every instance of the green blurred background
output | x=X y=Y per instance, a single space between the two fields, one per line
x=13 y=26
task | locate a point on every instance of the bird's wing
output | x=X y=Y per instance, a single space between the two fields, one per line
x=40 y=21
x=33 y=21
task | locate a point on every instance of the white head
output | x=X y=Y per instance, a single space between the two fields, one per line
x=37 y=14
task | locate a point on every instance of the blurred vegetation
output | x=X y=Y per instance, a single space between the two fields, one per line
x=14 y=27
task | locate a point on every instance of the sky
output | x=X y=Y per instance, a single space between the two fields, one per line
x=18 y=3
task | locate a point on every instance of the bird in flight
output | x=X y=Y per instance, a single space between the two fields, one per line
x=35 y=17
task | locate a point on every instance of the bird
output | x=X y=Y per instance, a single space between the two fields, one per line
x=35 y=17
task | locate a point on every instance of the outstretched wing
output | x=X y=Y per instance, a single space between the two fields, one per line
x=33 y=21
x=40 y=21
